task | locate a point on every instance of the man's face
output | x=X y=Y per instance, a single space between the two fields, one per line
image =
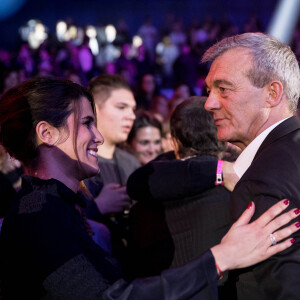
x=239 y=108
x=115 y=116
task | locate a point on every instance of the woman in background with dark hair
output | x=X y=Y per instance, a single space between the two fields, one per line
x=46 y=249
x=144 y=139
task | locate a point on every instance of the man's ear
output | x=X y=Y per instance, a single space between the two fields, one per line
x=275 y=90
x=46 y=133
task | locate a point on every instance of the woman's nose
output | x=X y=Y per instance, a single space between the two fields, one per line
x=98 y=136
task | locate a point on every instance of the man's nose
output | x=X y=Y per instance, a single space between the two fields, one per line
x=212 y=102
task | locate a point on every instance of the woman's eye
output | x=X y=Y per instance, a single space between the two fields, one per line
x=87 y=124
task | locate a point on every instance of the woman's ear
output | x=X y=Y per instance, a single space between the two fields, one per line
x=46 y=133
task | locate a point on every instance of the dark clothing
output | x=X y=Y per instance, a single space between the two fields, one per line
x=194 y=281
x=7 y=193
x=46 y=253
x=186 y=183
x=273 y=175
x=46 y=249
x=194 y=221
x=115 y=170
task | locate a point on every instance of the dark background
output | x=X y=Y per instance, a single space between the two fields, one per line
x=15 y=13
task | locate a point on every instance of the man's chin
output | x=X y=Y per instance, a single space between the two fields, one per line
x=122 y=139
x=222 y=138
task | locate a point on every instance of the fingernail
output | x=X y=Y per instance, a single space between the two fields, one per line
x=297 y=224
x=286 y=201
x=292 y=241
x=297 y=211
x=250 y=205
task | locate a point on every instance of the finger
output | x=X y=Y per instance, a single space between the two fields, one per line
x=272 y=212
x=112 y=185
x=286 y=232
x=282 y=220
x=279 y=247
x=246 y=216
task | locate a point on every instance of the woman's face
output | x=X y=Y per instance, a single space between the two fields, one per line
x=88 y=139
x=147 y=144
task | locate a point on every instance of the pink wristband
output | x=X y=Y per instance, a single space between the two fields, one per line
x=219 y=178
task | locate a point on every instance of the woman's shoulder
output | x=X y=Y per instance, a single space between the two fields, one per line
x=35 y=194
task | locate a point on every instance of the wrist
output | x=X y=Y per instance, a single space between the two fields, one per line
x=220 y=260
x=220 y=272
x=99 y=203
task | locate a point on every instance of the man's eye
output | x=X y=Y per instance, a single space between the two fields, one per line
x=222 y=89
x=207 y=91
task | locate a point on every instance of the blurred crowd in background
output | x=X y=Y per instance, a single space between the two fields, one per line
x=170 y=55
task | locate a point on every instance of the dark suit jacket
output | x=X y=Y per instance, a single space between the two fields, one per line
x=273 y=175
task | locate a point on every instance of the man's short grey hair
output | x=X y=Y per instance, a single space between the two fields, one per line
x=272 y=60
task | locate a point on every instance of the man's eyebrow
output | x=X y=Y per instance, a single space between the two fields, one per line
x=217 y=82
x=125 y=104
x=221 y=81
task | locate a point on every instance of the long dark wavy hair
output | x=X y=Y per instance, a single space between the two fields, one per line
x=195 y=129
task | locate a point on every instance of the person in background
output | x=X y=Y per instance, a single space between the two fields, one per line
x=160 y=108
x=10 y=77
x=115 y=106
x=50 y=126
x=146 y=91
x=181 y=92
x=192 y=221
x=144 y=139
x=7 y=189
x=166 y=141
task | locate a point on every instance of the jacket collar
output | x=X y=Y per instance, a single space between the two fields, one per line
x=287 y=126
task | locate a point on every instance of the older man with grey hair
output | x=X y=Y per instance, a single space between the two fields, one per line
x=254 y=86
